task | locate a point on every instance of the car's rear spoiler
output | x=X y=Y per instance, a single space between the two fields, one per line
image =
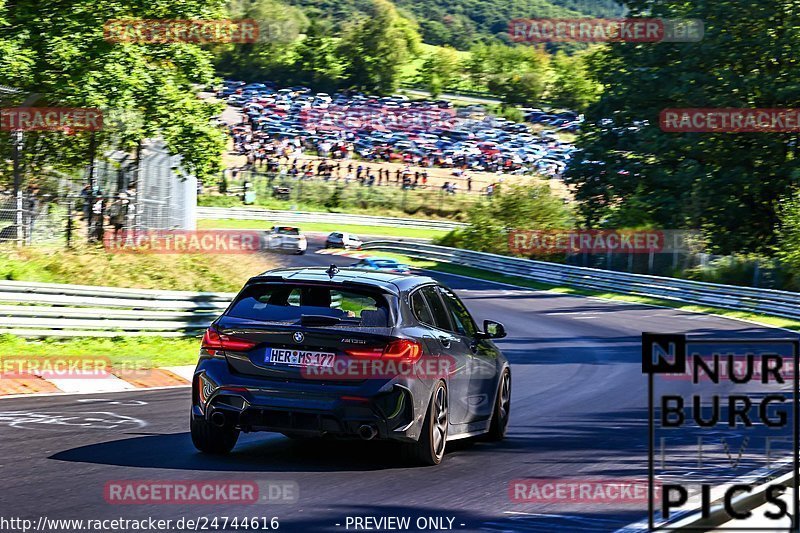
x=344 y=282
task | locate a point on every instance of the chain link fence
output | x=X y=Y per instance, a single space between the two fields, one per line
x=52 y=220
x=118 y=192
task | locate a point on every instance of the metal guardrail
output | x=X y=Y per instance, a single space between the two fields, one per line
x=56 y=310
x=764 y=301
x=292 y=217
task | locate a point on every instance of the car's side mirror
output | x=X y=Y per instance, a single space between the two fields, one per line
x=493 y=330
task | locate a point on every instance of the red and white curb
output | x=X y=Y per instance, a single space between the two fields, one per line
x=105 y=382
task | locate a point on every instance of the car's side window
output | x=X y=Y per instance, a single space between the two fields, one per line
x=440 y=315
x=420 y=308
x=458 y=312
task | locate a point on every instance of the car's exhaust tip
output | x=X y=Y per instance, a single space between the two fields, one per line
x=367 y=432
x=218 y=418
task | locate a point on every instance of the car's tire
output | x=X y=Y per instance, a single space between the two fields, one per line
x=429 y=449
x=502 y=409
x=212 y=439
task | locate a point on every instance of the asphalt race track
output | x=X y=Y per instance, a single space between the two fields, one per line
x=578 y=409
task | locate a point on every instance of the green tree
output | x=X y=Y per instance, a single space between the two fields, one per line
x=572 y=87
x=517 y=74
x=58 y=50
x=514 y=207
x=439 y=70
x=463 y=23
x=377 y=46
x=788 y=233
x=725 y=184
x=273 y=56
x=317 y=61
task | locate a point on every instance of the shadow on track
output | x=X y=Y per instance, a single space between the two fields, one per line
x=260 y=452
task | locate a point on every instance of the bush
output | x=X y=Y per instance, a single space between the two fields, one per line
x=516 y=207
x=750 y=270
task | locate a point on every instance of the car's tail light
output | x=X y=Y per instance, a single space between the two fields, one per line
x=400 y=349
x=214 y=341
x=403 y=349
x=365 y=353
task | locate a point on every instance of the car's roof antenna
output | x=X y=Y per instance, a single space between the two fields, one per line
x=332 y=271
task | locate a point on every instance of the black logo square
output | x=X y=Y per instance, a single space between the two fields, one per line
x=663 y=353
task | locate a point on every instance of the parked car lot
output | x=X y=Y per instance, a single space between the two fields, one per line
x=420 y=132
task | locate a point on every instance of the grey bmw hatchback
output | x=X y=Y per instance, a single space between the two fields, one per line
x=350 y=354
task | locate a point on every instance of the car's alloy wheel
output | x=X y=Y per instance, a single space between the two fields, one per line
x=502 y=408
x=429 y=449
x=440 y=421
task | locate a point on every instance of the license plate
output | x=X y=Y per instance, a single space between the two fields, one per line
x=281 y=356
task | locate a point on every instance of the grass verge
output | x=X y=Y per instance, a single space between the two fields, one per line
x=93 y=265
x=324 y=227
x=129 y=352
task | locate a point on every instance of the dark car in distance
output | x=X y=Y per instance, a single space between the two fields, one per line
x=350 y=353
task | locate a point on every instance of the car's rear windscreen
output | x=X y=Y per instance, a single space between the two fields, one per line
x=283 y=230
x=286 y=302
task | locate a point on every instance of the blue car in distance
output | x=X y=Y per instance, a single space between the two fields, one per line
x=382 y=264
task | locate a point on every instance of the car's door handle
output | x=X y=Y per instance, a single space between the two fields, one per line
x=445 y=341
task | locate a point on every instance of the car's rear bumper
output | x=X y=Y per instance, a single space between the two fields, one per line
x=391 y=407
